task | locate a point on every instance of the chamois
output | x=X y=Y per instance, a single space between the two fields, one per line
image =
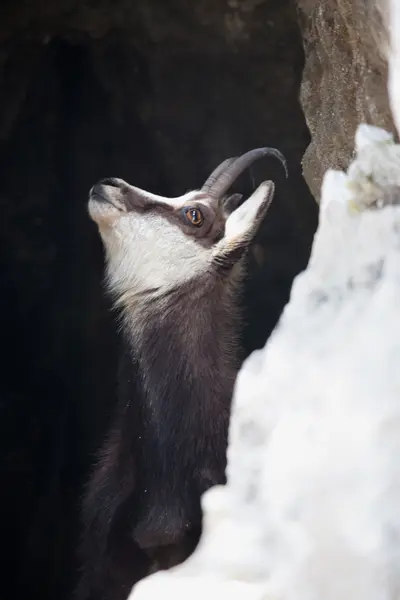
x=174 y=267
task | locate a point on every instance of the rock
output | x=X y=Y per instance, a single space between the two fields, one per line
x=393 y=25
x=344 y=79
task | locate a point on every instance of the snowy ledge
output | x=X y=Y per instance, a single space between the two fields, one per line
x=311 y=509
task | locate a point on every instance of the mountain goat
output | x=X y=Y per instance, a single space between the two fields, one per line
x=175 y=267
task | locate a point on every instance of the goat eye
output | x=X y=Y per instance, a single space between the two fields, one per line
x=194 y=216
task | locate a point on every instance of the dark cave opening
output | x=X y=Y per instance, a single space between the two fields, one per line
x=160 y=114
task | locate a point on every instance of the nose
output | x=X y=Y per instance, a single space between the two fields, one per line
x=102 y=187
x=111 y=181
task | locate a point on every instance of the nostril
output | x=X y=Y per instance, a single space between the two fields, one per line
x=112 y=182
x=109 y=191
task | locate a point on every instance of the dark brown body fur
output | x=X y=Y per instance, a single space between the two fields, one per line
x=168 y=443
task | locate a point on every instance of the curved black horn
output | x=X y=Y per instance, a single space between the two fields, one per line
x=216 y=173
x=231 y=172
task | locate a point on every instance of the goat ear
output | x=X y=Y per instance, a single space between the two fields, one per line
x=242 y=225
x=231 y=203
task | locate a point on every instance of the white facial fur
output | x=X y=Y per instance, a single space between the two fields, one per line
x=145 y=251
x=148 y=254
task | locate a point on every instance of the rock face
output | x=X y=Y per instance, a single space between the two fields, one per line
x=393 y=26
x=344 y=79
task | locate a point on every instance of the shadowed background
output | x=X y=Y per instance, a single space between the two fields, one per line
x=158 y=93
